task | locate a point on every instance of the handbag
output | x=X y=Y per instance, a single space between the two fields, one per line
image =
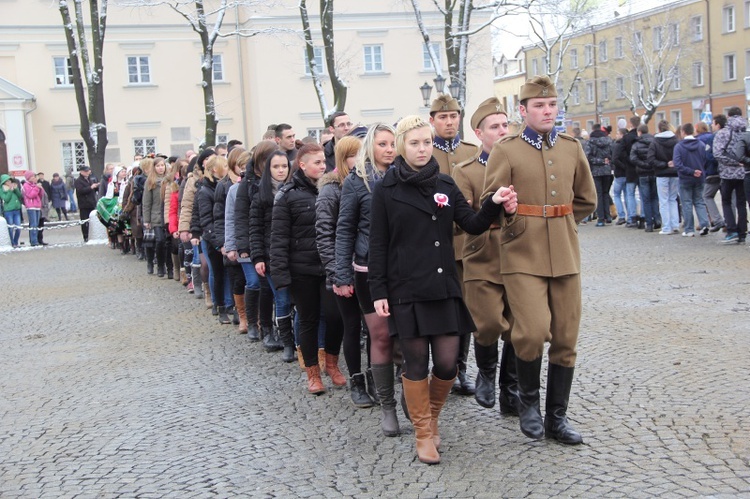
x=149 y=235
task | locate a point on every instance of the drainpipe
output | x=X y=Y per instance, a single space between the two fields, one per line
x=242 y=75
x=708 y=51
x=26 y=125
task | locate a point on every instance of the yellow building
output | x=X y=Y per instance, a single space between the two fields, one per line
x=510 y=74
x=152 y=77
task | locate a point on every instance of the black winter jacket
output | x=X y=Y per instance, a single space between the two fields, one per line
x=411 y=239
x=242 y=211
x=353 y=228
x=293 y=239
x=195 y=218
x=617 y=153
x=330 y=152
x=260 y=229
x=626 y=146
x=599 y=148
x=220 y=204
x=639 y=155
x=326 y=218
x=660 y=154
x=205 y=198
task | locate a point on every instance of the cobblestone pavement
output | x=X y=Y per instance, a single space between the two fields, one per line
x=116 y=383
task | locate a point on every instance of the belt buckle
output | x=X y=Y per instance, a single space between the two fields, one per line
x=544 y=209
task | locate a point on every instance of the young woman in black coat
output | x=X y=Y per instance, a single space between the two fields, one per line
x=295 y=262
x=412 y=272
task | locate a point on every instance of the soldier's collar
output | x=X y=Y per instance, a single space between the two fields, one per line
x=535 y=139
x=483 y=157
x=444 y=145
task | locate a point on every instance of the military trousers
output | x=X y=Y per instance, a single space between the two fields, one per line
x=489 y=308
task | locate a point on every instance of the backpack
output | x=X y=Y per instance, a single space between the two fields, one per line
x=139 y=185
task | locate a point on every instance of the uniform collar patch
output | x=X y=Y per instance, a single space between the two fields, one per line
x=535 y=140
x=444 y=145
x=483 y=158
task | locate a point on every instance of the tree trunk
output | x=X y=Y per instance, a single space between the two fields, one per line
x=337 y=85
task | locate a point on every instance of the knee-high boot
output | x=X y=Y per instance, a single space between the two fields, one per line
x=251 y=311
x=418 y=399
x=556 y=424
x=149 y=250
x=508 y=381
x=486 y=357
x=528 y=398
x=382 y=374
x=195 y=274
x=463 y=384
x=439 y=390
x=176 y=267
x=239 y=306
x=287 y=338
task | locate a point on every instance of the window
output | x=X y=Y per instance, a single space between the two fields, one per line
x=139 y=70
x=588 y=55
x=63 y=72
x=619 y=52
x=315 y=133
x=728 y=19
x=545 y=64
x=604 y=90
x=575 y=95
x=730 y=67
x=144 y=146
x=674 y=35
x=73 y=155
x=318 y=51
x=676 y=117
x=373 y=58
x=603 y=51
x=676 y=81
x=660 y=116
x=605 y=121
x=534 y=67
x=222 y=138
x=218 y=74
x=573 y=58
x=697 y=74
x=427 y=61
x=638 y=42
x=696 y=28
x=589 y=124
x=589 y=92
x=658 y=38
x=620 y=87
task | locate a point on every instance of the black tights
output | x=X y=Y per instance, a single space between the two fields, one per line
x=349 y=310
x=310 y=294
x=417 y=356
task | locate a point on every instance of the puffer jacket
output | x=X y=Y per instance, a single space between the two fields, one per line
x=246 y=191
x=260 y=229
x=32 y=196
x=660 y=153
x=220 y=204
x=742 y=151
x=725 y=142
x=326 y=218
x=294 y=248
x=599 y=148
x=353 y=228
x=639 y=155
x=153 y=204
x=186 y=202
x=206 y=196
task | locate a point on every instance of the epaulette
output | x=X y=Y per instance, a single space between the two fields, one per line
x=567 y=137
x=508 y=137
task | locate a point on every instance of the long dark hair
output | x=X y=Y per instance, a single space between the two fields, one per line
x=265 y=188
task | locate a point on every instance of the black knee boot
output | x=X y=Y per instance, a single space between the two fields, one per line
x=463 y=385
x=556 y=424
x=528 y=396
x=486 y=357
x=508 y=381
x=149 y=251
x=287 y=338
x=251 y=310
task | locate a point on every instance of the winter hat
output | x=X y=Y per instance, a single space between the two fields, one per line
x=4 y=178
x=621 y=123
x=28 y=175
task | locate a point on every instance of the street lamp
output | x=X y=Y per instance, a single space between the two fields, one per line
x=439 y=84
x=454 y=88
x=426 y=90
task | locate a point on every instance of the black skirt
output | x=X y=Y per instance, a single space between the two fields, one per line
x=430 y=318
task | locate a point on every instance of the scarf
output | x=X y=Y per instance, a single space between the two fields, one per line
x=275 y=184
x=424 y=179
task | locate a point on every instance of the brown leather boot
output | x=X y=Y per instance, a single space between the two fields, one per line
x=322 y=359
x=300 y=358
x=418 y=399
x=239 y=304
x=314 y=383
x=439 y=390
x=207 y=294
x=333 y=371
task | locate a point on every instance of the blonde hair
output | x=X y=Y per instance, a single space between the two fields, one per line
x=147 y=164
x=154 y=177
x=233 y=159
x=367 y=153
x=346 y=147
x=216 y=167
x=406 y=125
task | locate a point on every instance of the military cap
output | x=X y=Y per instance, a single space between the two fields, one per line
x=486 y=108
x=538 y=86
x=443 y=103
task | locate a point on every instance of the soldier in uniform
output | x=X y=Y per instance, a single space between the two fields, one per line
x=483 y=282
x=540 y=255
x=450 y=151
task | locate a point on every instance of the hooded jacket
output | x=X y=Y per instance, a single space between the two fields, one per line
x=639 y=155
x=660 y=153
x=712 y=166
x=725 y=142
x=599 y=148
x=13 y=198
x=689 y=156
x=326 y=217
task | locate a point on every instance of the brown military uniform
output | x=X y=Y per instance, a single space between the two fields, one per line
x=540 y=257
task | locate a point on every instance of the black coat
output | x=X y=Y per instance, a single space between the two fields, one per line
x=330 y=152
x=85 y=194
x=639 y=155
x=660 y=153
x=293 y=239
x=242 y=211
x=220 y=203
x=326 y=218
x=411 y=239
x=626 y=146
x=205 y=198
x=261 y=216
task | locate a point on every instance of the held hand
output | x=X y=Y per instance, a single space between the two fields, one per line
x=232 y=256
x=670 y=164
x=697 y=173
x=344 y=291
x=185 y=236
x=146 y=225
x=260 y=268
x=176 y=235
x=381 y=307
x=195 y=241
x=507 y=197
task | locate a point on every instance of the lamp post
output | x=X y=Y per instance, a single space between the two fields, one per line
x=599 y=110
x=439 y=84
x=454 y=88
x=426 y=90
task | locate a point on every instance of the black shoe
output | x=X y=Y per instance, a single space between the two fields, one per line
x=251 y=312
x=631 y=225
x=641 y=222
x=271 y=341
x=508 y=381
x=214 y=310
x=223 y=317
x=657 y=226
x=649 y=228
x=486 y=357
x=463 y=384
x=170 y=274
x=621 y=221
x=556 y=424
x=529 y=413
x=717 y=227
x=235 y=316
x=358 y=389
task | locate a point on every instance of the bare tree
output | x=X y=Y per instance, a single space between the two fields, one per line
x=338 y=85
x=88 y=70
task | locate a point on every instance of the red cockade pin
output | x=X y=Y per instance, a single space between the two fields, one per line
x=441 y=200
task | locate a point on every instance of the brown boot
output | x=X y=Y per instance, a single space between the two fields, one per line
x=418 y=399
x=322 y=359
x=314 y=383
x=300 y=358
x=333 y=371
x=239 y=304
x=183 y=276
x=207 y=295
x=439 y=390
